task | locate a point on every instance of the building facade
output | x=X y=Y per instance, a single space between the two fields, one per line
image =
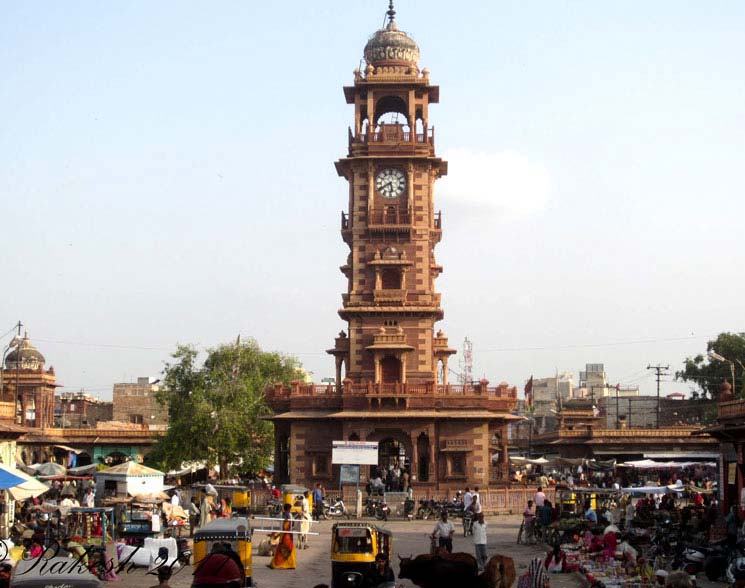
x=391 y=382
x=27 y=390
x=78 y=410
x=135 y=403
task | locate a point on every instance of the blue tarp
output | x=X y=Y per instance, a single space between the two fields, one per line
x=9 y=480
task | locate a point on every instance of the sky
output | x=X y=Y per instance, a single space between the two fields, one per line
x=166 y=177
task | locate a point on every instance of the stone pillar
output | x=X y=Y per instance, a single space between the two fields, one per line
x=445 y=371
x=403 y=368
x=504 y=458
x=338 y=360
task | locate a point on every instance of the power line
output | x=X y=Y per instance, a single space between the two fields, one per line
x=660 y=370
x=590 y=345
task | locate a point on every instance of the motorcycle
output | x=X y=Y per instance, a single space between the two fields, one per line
x=336 y=510
x=381 y=512
x=426 y=509
x=467 y=523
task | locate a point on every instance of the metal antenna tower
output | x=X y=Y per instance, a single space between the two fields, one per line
x=466 y=364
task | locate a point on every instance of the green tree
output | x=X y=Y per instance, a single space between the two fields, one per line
x=707 y=373
x=217 y=410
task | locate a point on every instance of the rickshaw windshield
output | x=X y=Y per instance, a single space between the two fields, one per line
x=353 y=541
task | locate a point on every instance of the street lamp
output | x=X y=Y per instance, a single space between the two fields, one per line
x=716 y=357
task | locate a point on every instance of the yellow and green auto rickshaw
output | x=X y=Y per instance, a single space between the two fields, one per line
x=239 y=496
x=214 y=535
x=353 y=550
x=293 y=494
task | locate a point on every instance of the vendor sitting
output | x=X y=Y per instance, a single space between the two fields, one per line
x=590 y=514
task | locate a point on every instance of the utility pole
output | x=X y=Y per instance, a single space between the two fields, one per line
x=660 y=370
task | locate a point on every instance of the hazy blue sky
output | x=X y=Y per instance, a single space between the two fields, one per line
x=166 y=175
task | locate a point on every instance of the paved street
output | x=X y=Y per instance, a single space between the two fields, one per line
x=410 y=537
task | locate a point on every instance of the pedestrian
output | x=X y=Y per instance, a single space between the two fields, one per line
x=318 y=502
x=526 y=534
x=479 y=540
x=204 y=511
x=443 y=532
x=284 y=556
x=382 y=572
x=476 y=507
x=535 y=577
x=467 y=498
x=194 y=513
x=164 y=575
x=89 y=498
x=305 y=520
x=539 y=498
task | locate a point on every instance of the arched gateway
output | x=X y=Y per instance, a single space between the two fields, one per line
x=394 y=387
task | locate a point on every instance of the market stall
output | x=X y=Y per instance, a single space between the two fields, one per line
x=127 y=479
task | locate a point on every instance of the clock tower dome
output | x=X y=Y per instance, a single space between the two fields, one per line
x=391 y=225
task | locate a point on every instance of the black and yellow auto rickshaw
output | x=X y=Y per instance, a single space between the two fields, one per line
x=214 y=535
x=293 y=494
x=239 y=496
x=353 y=550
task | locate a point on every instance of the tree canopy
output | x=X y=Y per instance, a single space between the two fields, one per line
x=724 y=355
x=216 y=410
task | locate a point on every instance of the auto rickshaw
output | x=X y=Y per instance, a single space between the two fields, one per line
x=239 y=496
x=293 y=494
x=353 y=550
x=235 y=531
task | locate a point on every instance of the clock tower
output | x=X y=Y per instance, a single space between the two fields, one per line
x=391 y=384
x=391 y=226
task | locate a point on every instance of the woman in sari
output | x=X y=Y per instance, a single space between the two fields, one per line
x=284 y=556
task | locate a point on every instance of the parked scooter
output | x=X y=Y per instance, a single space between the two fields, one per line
x=335 y=510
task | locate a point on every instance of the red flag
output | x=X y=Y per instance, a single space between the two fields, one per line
x=529 y=394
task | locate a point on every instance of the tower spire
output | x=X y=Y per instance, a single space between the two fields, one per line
x=391 y=13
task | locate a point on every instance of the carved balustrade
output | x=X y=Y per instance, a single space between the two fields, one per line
x=412 y=396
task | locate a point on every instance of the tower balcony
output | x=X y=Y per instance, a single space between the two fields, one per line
x=389 y=296
x=429 y=396
x=392 y=139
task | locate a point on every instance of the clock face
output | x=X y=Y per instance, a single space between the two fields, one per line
x=390 y=183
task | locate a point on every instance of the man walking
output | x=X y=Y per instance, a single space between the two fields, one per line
x=479 y=540
x=444 y=531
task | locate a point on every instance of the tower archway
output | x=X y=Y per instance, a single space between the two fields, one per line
x=390 y=369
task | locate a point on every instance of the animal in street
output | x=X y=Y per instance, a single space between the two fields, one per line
x=445 y=570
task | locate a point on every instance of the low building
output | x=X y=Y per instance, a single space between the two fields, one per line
x=634 y=412
x=79 y=410
x=136 y=403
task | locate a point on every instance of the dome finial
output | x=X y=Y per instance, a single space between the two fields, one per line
x=391 y=13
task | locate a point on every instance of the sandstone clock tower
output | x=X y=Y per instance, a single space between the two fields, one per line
x=391 y=382
x=392 y=225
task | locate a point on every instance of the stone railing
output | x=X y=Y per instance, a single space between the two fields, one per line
x=731 y=409
x=416 y=395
